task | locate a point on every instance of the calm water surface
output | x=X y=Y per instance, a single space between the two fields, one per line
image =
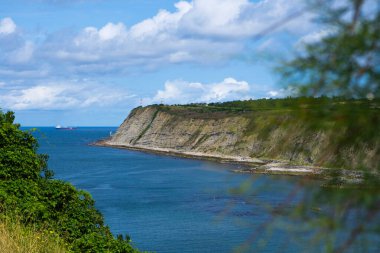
x=168 y=204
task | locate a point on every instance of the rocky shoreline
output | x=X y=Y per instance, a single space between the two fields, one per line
x=249 y=165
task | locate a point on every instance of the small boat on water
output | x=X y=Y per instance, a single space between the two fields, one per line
x=59 y=127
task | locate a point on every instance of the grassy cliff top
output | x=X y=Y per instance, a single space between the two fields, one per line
x=324 y=105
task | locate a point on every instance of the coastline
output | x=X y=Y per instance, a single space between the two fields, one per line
x=251 y=165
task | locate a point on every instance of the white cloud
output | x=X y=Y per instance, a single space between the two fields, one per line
x=16 y=52
x=228 y=89
x=190 y=92
x=163 y=24
x=218 y=18
x=180 y=56
x=283 y=92
x=201 y=31
x=61 y=95
x=24 y=73
x=152 y=40
x=273 y=93
x=7 y=26
x=110 y=31
x=22 y=54
x=315 y=36
x=235 y=19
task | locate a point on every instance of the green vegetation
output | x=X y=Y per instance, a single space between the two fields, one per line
x=344 y=63
x=30 y=195
x=16 y=237
x=278 y=104
x=334 y=132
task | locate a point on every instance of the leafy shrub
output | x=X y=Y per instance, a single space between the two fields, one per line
x=28 y=191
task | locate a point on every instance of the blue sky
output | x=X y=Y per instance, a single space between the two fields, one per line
x=89 y=62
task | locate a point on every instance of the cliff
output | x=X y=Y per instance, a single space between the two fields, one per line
x=256 y=136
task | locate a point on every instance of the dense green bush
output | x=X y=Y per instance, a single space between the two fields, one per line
x=28 y=191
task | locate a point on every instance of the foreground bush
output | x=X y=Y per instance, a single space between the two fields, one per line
x=28 y=191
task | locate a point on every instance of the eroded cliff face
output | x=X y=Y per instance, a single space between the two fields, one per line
x=263 y=135
x=152 y=127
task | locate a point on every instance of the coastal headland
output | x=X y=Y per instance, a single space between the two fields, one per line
x=262 y=136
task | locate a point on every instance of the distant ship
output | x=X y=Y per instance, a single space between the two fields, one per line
x=59 y=127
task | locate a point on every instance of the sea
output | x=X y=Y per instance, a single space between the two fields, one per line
x=171 y=204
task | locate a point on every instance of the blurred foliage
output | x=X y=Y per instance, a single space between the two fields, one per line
x=28 y=193
x=336 y=81
x=345 y=63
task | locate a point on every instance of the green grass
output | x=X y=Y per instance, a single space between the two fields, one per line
x=280 y=104
x=18 y=238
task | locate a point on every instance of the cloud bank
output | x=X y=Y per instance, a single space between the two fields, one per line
x=182 y=92
x=200 y=32
x=63 y=95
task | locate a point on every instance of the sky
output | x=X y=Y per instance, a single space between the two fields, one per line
x=89 y=62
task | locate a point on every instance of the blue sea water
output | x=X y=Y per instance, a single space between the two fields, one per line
x=170 y=204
